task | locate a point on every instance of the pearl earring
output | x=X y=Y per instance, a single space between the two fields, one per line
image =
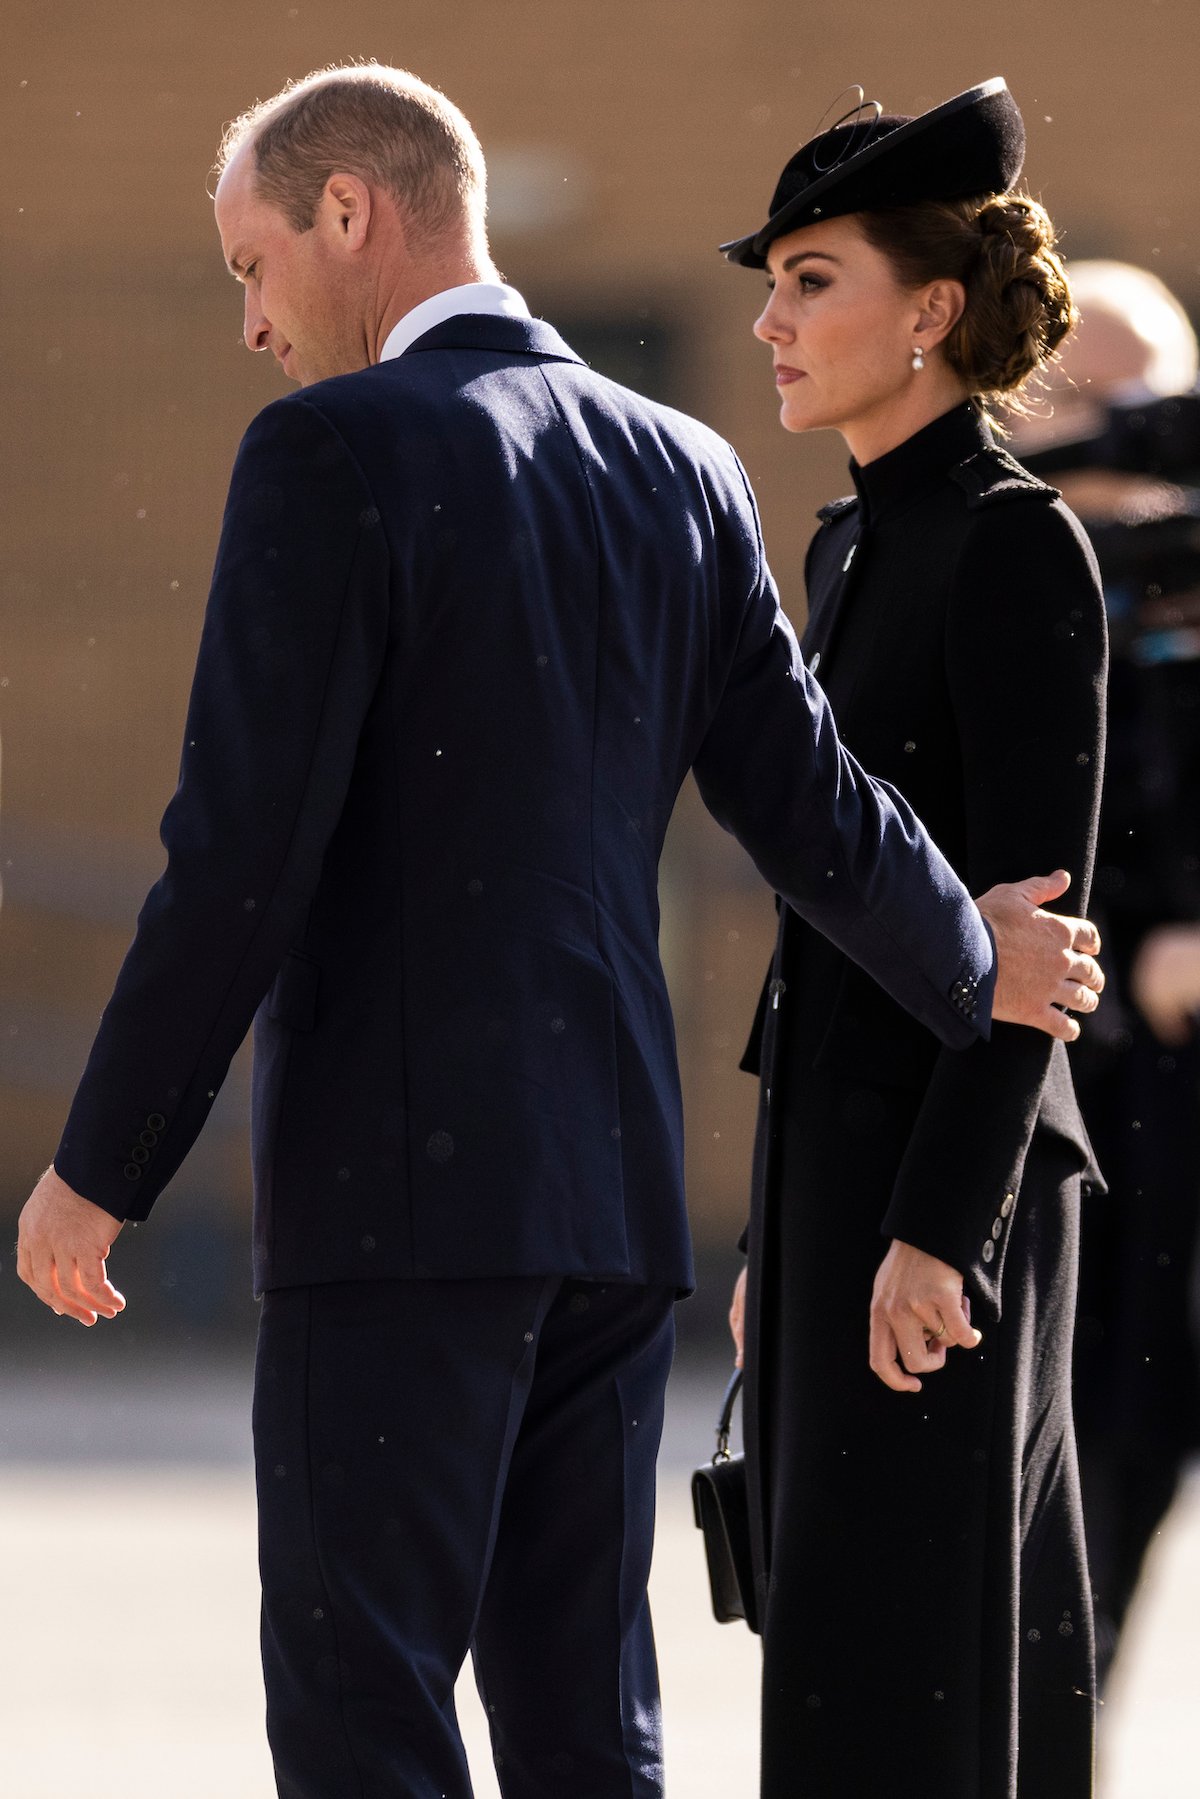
x=918 y=358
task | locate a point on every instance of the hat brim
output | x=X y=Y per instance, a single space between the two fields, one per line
x=972 y=144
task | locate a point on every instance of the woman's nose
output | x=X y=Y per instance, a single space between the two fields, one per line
x=769 y=326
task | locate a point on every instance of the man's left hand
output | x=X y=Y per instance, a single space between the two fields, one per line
x=1045 y=962
x=63 y=1241
x=918 y=1312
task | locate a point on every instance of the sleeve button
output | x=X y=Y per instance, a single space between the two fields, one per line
x=156 y=1122
x=132 y=1172
x=989 y=1250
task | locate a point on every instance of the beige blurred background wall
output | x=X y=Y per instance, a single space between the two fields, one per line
x=625 y=141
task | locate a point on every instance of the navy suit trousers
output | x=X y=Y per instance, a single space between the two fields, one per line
x=454 y=1467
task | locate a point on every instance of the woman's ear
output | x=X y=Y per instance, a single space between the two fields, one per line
x=941 y=305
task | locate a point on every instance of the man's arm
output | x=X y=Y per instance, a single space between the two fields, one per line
x=850 y=856
x=289 y=663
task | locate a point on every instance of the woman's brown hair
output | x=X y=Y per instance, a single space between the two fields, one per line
x=1002 y=248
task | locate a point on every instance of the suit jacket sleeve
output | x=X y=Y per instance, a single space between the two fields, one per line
x=845 y=851
x=289 y=658
x=1026 y=663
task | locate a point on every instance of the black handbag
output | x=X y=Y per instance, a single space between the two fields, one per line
x=722 y=1509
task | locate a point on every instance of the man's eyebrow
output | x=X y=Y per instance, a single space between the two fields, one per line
x=800 y=256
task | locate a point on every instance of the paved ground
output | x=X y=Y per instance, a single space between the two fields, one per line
x=127 y=1647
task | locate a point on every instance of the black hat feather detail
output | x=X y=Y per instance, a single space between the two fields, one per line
x=973 y=144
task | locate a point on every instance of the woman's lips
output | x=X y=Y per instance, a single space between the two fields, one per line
x=784 y=375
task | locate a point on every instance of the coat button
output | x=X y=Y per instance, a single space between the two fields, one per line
x=989 y=1250
x=1006 y=1204
x=156 y=1122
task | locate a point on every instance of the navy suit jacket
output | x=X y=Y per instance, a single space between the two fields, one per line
x=476 y=611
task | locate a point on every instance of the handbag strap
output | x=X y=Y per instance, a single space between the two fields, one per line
x=726 y=1419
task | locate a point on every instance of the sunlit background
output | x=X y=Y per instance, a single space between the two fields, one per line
x=624 y=141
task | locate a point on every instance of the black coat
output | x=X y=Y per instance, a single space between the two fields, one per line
x=476 y=611
x=906 y=1543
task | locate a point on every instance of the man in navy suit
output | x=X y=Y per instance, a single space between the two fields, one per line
x=475 y=613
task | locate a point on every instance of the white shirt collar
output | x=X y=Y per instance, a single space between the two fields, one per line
x=494 y=297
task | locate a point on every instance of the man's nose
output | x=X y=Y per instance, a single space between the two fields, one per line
x=256 y=327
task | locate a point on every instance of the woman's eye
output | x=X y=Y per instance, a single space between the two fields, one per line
x=251 y=272
x=811 y=284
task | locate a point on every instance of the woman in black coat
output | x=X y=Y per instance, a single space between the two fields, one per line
x=922 y=1577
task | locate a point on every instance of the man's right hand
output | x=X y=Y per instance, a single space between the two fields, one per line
x=1045 y=961
x=63 y=1242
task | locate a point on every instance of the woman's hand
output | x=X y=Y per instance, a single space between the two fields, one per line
x=737 y=1318
x=918 y=1312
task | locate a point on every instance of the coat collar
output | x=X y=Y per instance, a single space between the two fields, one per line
x=496 y=298
x=483 y=331
x=921 y=461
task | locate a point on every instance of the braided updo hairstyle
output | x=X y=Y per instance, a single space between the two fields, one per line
x=1002 y=248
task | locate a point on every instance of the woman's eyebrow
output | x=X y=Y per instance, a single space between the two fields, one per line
x=800 y=256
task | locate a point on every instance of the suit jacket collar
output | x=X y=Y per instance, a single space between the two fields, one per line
x=487 y=331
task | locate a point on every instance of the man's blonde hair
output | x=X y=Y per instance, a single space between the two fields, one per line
x=381 y=124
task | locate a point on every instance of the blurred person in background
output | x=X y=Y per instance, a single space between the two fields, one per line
x=1120 y=436
x=475 y=612
x=923 y=1584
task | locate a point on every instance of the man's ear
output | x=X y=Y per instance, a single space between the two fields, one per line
x=345 y=210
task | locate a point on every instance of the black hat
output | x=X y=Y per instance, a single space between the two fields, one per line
x=973 y=144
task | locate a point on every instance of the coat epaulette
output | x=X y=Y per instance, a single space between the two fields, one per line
x=836 y=508
x=992 y=475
